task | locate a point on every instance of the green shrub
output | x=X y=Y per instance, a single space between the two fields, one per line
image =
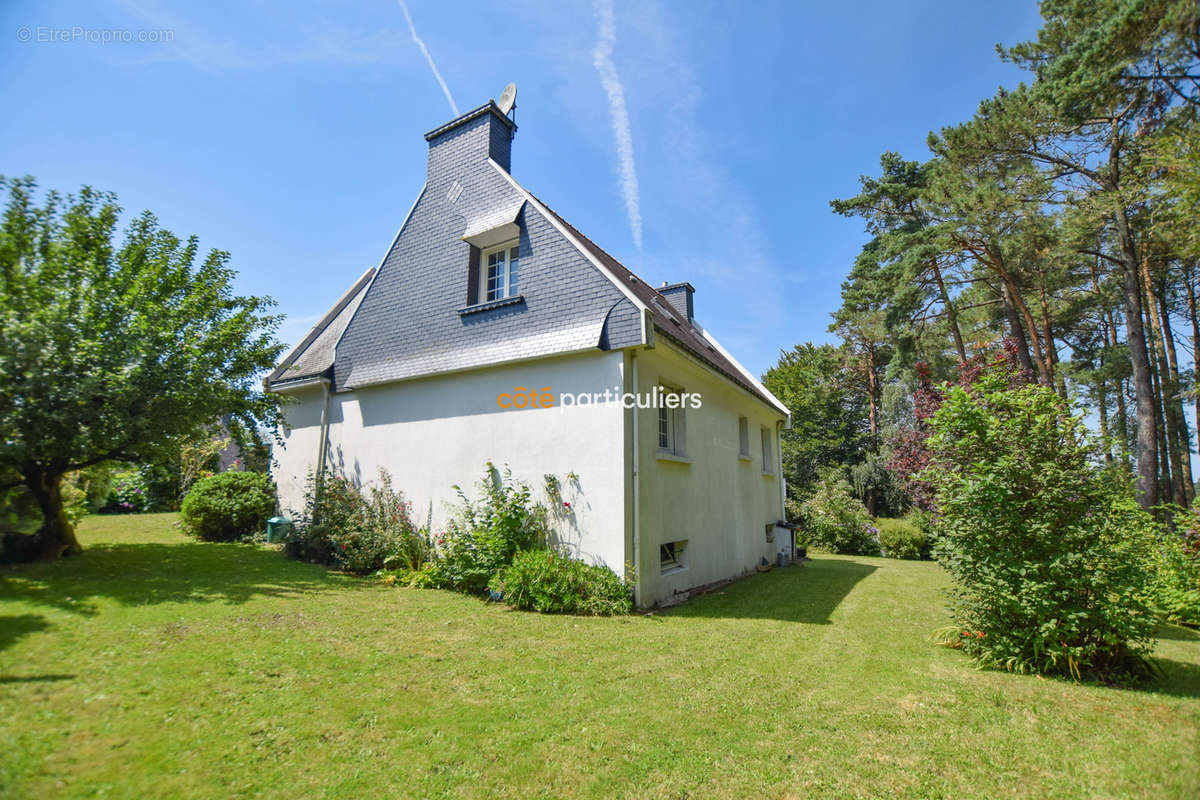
x=552 y=583
x=484 y=535
x=357 y=531
x=309 y=542
x=900 y=538
x=128 y=494
x=833 y=519
x=228 y=506
x=1047 y=553
x=1173 y=589
x=96 y=482
x=74 y=497
x=19 y=511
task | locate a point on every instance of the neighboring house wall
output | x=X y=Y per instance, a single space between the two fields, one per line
x=716 y=501
x=433 y=433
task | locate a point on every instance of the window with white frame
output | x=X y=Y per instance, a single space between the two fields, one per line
x=500 y=271
x=672 y=424
x=743 y=437
x=671 y=556
x=768 y=452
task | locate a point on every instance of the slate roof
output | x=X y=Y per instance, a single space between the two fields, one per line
x=413 y=316
x=667 y=320
x=313 y=356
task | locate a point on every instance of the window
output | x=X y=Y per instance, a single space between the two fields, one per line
x=670 y=556
x=743 y=437
x=500 y=272
x=672 y=425
x=767 y=452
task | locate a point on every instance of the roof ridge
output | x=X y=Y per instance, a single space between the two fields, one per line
x=693 y=339
x=589 y=240
x=316 y=330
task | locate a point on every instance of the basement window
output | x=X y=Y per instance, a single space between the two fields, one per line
x=500 y=273
x=671 y=556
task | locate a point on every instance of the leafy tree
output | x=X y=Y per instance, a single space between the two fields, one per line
x=114 y=352
x=1106 y=72
x=829 y=419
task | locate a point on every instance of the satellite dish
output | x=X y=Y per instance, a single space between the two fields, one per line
x=508 y=98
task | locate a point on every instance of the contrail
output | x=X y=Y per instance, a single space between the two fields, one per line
x=602 y=59
x=429 y=58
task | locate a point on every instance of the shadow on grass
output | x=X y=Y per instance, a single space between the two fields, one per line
x=1179 y=679
x=35 y=678
x=1177 y=633
x=152 y=573
x=807 y=594
x=13 y=627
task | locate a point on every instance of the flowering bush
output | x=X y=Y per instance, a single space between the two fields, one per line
x=552 y=583
x=834 y=519
x=486 y=534
x=359 y=532
x=910 y=455
x=128 y=494
x=1047 y=553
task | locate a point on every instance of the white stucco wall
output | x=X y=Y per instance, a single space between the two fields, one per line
x=433 y=433
x=718 y=502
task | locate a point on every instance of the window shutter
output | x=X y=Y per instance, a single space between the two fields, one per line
x=473 y=277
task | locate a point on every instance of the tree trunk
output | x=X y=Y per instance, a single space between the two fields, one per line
x=56 y=537
x=1166 y=387
x=1045 y=376
x=1015 y=329
x=1173 y=398
x=1102 y=397
x=1135 y=335
x=1123 y=422
x=951 y=313
x=1191 y=300
x=1048 y=333
x=1139 y=358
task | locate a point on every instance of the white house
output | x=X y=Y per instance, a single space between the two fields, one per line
x=491 y=331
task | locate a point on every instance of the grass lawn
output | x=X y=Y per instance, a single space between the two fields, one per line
x=155 y=666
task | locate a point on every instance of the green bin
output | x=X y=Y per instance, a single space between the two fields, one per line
x=277 y=529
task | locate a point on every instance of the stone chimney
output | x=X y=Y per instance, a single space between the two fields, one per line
x=679 y=295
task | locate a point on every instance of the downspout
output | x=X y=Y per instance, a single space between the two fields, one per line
x=322 y=444
x=637 y=572
x=779 y=466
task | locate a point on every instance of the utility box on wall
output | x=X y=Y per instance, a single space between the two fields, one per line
x=783 y=535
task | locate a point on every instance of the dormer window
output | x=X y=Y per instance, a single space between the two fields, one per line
x=500 y=272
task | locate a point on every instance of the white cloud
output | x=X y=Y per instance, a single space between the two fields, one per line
x=428 y=58
x=696 y=200
x=602 y=59
x=325 y=42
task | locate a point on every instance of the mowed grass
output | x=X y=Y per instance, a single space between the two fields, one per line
x=155 y=666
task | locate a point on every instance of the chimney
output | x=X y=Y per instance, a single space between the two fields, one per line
x=679 y=295
x=469 y=140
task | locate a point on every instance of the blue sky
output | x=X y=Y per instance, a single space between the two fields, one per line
x=290 y=134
